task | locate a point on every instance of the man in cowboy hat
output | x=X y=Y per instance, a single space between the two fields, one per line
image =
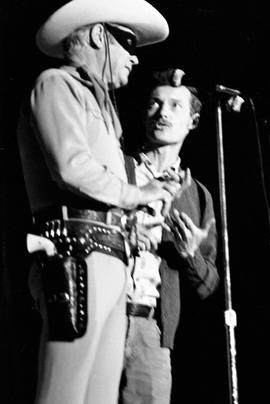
x=76 y=182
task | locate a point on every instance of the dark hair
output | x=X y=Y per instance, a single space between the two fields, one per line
x=168 y=77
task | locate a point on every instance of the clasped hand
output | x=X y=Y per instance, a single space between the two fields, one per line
x=165 y=188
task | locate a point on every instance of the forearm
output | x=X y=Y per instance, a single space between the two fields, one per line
x=202 y=274
x=83 y=175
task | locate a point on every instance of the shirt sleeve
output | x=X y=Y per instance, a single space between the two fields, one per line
x=58 y=115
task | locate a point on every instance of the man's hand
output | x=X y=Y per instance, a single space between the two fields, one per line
x=169 y=186
x=158 y=190
x=186 y=236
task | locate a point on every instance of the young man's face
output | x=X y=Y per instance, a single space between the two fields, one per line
x=168 y=117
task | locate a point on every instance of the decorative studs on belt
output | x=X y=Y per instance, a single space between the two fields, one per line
x=67 y=244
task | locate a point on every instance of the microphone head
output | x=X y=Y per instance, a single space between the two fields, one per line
x=234 y=103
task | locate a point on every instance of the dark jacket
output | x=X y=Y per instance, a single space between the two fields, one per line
x=200 y=271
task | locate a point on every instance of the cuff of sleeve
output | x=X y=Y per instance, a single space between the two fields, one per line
x=131 y=196
x=195 y=261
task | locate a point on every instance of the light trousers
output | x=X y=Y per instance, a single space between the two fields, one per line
x=146 y=375
x=88 y=370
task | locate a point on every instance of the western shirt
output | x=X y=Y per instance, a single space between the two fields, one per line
x=69 y=154
x=144 y=277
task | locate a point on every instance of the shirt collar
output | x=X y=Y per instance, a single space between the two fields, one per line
x=151 y=168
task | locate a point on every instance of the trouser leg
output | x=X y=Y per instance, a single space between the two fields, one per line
x=103 y=386
x=147 y=369
x=67 y=368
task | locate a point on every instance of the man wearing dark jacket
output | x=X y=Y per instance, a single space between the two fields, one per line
x=180 y=245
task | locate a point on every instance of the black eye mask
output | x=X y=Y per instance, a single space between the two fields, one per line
x=126 y=39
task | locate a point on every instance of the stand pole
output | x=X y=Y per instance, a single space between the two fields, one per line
x=230 y=315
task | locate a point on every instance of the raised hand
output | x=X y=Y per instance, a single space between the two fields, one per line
x=186 y=236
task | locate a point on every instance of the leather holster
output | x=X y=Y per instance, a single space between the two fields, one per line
x=65 y=289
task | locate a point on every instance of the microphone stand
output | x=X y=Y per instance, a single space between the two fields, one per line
x=230 y=315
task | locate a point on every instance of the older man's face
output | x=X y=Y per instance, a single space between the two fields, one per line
x=122 y=55
x=169 y=117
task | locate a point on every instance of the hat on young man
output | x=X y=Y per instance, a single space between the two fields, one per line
x=142 y=18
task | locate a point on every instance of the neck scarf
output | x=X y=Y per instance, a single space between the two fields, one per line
x=103 y=99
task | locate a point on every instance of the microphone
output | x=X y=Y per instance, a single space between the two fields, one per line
x=227 y=90
x=235 y=102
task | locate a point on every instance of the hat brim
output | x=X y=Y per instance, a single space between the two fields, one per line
x=141 y=17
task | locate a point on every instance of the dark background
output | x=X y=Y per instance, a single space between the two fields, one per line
x=214 y=44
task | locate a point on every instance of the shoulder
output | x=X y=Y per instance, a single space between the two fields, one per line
x=54 y=75
x=53 y=72
x=57 y=84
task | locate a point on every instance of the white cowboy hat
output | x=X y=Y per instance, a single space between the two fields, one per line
x=143 y=19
